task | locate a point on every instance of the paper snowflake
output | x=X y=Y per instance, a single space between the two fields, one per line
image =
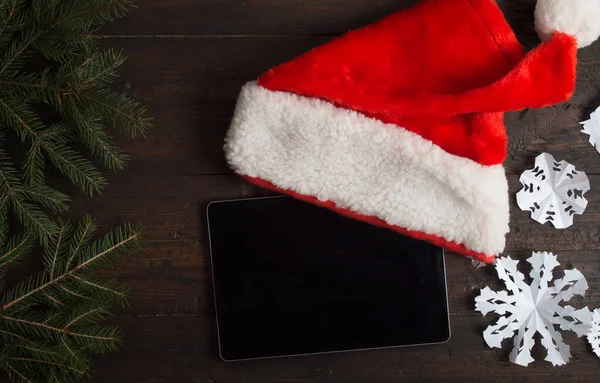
x=553 y=191
x=594 y=334
x=529 y=308
x=592 y=128
x=478 y=264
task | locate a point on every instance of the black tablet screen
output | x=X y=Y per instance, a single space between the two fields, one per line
x=292 y=278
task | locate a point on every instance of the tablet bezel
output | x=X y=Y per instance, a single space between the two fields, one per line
x=306 y=353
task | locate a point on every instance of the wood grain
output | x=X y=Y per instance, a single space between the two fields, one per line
x=170 y=280
x=170 y=275
x=172 y=209
x=278 y=17
x=183 y=349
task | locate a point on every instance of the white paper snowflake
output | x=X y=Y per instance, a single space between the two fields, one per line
x=592 y=128
x=530 y=308
x=478 y=264
x=594 y=334
x=553 y=191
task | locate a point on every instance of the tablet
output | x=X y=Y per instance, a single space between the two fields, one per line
x=292 y=278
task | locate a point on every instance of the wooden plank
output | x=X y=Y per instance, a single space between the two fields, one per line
x=184 y=349
x=172 y=209
x=190 y=87
x=176 y=280
x=281 y=17
x=170 y=275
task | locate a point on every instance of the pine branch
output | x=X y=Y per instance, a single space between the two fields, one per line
x=47 y=331
x=46 y=197
x=73 y=293
x=124 y=112
x=110 y=292
x=97 y=255
x=61 y=366
x=33 y=167
x=19 y=374
x=99 y=68
x=21 y=119
x=78 y=169
x=53 y=301
x=81 y=237
x=54 y=101
x=7 y=10
x=13 y=335
x=31 y=216
x=34 y=219
x=51 y=258
x=87 y=315
x=92 y=134
x=42 y=86
x=16 y=54
x=98 y=11
x=16 y=250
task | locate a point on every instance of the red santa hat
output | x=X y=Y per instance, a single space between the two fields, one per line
x=400 y=123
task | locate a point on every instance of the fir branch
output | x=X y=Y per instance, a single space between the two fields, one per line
x=30 y=215
x=78 y=169
x=10 y=12
x=129 y=238
x=50 y=318
x=99 y=68
x=64 y=343
x=61 y=366
x=22 y=288
x=19 y=374
x=55 y=100
x=14 y=251
x=91 y=314
x=92 y=134
x=80 y=238
x=34 y=219
x=46 y=197
x=53 y=300
x=16 y=51
x=33 y=166
x=98 y=11
x=55 y=330
x=37 y=350
x=13 y=335
x=125 y=112
x=18 y=116
x=113 y=293
x=36 y=87
x=73 y=293
x=53 y=251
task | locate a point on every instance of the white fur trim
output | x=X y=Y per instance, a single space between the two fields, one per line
x=314 y=148
x=579 y=18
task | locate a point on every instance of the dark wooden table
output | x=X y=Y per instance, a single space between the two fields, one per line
x=187 y=61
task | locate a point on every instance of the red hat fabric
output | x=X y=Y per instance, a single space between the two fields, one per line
x=400 y=123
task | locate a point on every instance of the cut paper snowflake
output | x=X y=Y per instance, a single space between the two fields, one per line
x=479 y=265
x=553 y=191
x=594 y=334
x=592 y=128
x=529 y=308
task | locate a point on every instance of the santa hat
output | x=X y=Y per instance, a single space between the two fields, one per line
x=400 y=123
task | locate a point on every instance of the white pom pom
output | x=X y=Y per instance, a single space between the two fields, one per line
x=579 y=18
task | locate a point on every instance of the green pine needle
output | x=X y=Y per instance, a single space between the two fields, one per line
x=58 y=308
x=55 y=102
